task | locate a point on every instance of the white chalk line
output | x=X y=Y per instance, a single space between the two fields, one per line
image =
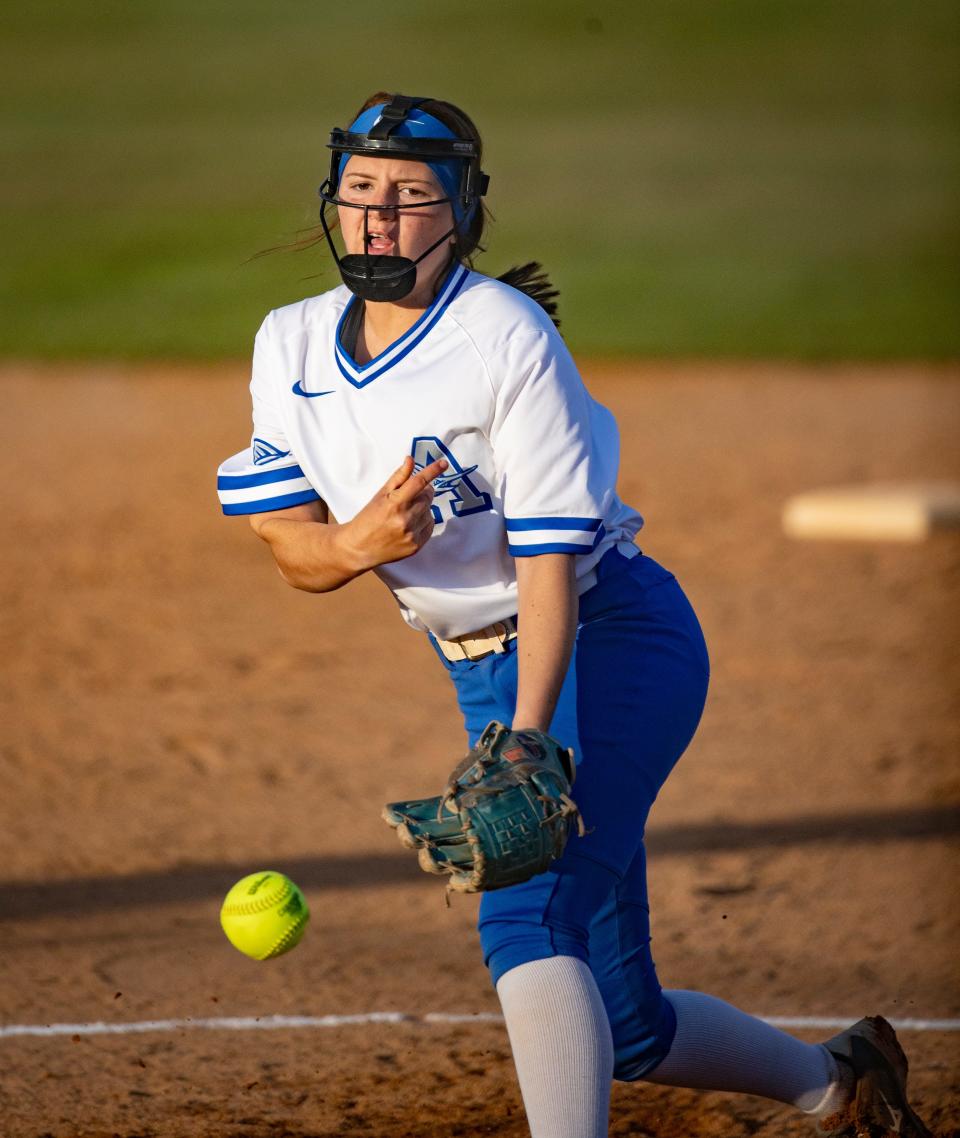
x=283 y=1023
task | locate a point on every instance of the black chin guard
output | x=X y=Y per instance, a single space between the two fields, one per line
x=378 y=277
x=386 y=278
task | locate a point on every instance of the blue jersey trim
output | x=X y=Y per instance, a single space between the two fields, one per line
x=263 y=505
x=547 y=547
x=376 y=367
x=555 y=546
x=589 y=524
x=264 y=478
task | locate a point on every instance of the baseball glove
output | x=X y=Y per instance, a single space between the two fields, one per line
x=504 y=816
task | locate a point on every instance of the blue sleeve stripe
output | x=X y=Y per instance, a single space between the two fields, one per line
x=261 y=478
x=589 y=524
x=546 y=547
x=555 y=546
x=263 y=505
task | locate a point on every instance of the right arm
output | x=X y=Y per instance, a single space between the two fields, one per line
x=317 y=555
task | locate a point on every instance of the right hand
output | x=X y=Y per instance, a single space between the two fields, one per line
x=397 y=521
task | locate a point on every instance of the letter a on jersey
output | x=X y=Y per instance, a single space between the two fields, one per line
x=455 y=495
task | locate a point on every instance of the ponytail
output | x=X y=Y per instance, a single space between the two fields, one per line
x=533 y=280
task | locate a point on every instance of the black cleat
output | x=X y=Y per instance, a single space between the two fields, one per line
x=870 y=1054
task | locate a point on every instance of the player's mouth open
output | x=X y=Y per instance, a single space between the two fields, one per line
x=380 y=243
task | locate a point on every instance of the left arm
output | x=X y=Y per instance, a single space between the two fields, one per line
x=547 y=627
x=555 y=495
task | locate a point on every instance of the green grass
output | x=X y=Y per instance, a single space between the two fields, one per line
x=713 y=177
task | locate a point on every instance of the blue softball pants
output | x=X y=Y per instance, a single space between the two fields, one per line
x=630 y=704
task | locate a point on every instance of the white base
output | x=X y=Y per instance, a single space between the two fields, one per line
x=906 y=511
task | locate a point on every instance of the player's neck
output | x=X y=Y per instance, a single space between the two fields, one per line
x=383 y=324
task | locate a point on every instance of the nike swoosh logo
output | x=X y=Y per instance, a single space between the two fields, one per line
x=297 y=389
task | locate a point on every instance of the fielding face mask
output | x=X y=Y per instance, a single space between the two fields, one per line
x=399 y=129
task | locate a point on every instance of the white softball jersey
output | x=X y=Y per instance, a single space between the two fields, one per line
x=484 y=380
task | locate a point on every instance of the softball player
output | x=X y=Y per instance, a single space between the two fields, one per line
x=426 y=422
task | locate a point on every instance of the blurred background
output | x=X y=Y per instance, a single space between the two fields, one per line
x=744 y=178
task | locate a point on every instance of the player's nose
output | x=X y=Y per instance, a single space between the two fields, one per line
x=387 y=202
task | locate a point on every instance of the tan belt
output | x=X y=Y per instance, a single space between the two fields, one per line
x=484 y=642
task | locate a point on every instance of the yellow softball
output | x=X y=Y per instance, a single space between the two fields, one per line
x=264 y=915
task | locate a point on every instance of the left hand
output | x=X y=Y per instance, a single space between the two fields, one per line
x=524 y=776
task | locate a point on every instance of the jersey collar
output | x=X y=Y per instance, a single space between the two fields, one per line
x=362 y=374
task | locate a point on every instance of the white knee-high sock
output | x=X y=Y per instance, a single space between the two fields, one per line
x=562 y=1047
x=719 y=1048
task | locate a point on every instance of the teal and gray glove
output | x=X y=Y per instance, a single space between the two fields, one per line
x=505 y=815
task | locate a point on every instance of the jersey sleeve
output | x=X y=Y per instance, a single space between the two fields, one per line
x=266 y=476
x=556 y=451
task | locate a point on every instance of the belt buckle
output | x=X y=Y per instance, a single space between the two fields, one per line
x=501 y=632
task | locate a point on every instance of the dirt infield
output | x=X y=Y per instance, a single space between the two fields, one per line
x=174 y=717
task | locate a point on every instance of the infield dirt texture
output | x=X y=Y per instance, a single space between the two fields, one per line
x=175 y=717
